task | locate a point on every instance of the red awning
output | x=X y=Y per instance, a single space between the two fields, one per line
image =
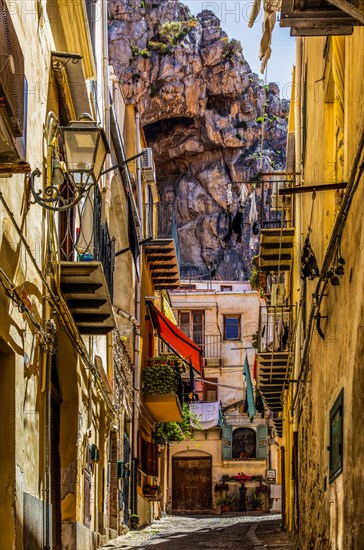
x=175 y=338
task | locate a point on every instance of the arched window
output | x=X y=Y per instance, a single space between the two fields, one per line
x=244 y=443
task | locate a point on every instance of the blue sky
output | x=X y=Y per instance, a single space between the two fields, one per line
x=234 y=17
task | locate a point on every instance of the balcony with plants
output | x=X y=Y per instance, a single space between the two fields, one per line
x=162 y=387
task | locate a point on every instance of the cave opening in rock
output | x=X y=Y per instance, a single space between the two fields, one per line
x=220 y=104
x=165 y=126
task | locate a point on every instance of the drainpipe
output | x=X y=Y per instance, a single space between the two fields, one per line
x=122 y=313
x=139 y=172
x=105 y=91
x=136 y=388
x=48 y=367
x=298 y=198
x=293 y=490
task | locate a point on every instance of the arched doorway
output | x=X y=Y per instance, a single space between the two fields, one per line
x=244 y=443
x=192 y=483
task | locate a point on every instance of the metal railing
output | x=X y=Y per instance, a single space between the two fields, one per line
x=83 y=237
x=167 y=226
x=275 y=209
x=211 y=347
x=276 y=328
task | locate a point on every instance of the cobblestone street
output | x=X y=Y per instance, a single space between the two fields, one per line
x=208 y=533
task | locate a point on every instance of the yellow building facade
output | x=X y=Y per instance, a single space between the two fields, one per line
x=323 y=474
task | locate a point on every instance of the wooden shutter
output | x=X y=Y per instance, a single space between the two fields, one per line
x=184 y=322
x=262 y=443
x=12 y=73
x=210 y=390
x=87 y=499
x=150 y=458
x=197 y=327
x=226 y=442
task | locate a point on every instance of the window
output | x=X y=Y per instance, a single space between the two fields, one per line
x=231 y=327
x=336 y=437
x=210 y=390
x=226 y=288
x=244 y=443
x=192 y=324
x=188 y=287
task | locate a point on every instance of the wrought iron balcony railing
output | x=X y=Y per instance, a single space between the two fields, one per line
x=86 y=253
x=275 y=210
x=82 y=237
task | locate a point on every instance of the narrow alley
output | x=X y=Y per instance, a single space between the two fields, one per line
x=208 y=533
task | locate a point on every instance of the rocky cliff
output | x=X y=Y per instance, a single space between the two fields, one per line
x=208 y=118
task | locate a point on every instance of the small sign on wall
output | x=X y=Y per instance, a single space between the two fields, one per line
x=271 y=476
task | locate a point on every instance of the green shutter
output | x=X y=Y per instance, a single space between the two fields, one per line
x=226 y=438
x=262 y=443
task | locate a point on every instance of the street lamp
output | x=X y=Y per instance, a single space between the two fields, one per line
x=84 y=150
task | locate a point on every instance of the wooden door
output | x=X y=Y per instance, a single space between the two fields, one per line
x=191 y=485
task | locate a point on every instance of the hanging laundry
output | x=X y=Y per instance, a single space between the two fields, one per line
x=253 y=213
x=244 y=193
x=236 y=225
x=259 y=404
x=254 y=242
x=309 y=267
x=285 y=337
x=278 y=333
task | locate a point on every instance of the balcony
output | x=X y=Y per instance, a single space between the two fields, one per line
x=275 y=336
x=211 y=350
x=87 y=264
x=320 y=17
x=162 y=253
x=162 y=388
x=277 y=233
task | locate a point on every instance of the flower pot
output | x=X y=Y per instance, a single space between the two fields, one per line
x=226 y=508
x=134 y=522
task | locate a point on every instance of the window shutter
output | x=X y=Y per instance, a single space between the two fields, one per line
x=262 y=443
x=150 y=458
x=154 y=471
x=226 y=442
x=209 y=390
x=87 y=499
x=11 y=71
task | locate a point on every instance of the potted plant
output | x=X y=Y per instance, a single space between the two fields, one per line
x=257 y=501
x=160 y=379
x=226 y=503
x=134 y=521
x=152 y=492
x=223 y=486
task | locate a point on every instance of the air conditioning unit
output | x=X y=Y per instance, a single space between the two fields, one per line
x=278 y=293
x=148 y=165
